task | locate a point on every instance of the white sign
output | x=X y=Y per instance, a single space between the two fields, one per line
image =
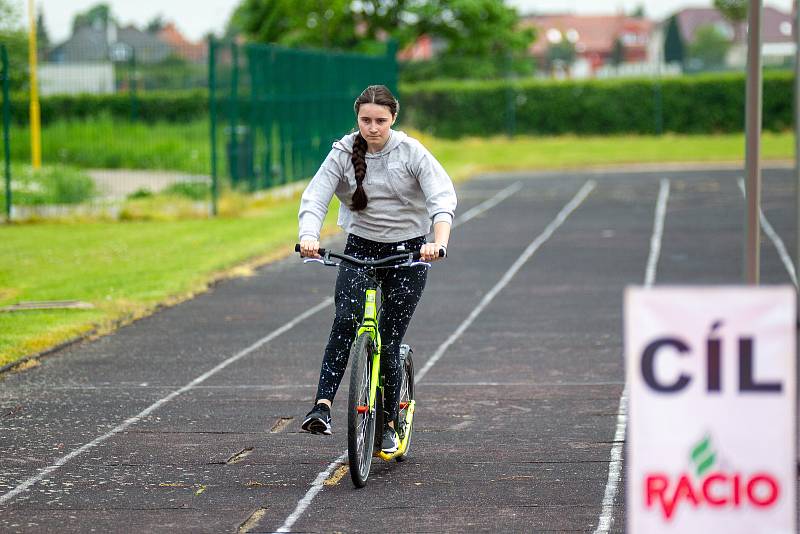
x=711 y=441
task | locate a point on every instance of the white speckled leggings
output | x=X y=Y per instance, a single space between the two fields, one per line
x=401 y=290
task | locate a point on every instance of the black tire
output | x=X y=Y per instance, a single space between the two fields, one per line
x=406 y=395
x=360 y=426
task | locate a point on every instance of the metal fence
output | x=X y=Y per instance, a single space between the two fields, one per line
x=125 y=128
x=6 y=119
x=122 y=125
x=275 y=111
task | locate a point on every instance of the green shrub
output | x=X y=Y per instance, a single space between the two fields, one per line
x=156 y=106
x=105 y=143
x=689 y=104
x=463 y=68
x=142 y=192
x=48 y=185
x=190 y=190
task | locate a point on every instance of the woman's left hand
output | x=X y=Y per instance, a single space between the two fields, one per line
x=430 y=252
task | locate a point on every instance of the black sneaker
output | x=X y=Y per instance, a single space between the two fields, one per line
x=318 y=420
x=390 y=441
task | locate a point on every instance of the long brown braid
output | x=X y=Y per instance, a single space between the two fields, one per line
x=374 y=94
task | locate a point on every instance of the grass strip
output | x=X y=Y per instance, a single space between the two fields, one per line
x=466 y=157
x=126 y=269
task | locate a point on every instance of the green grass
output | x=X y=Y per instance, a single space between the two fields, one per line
x=108 y=144
x=126 y=268
x=468 y=156
x=104 y=143
x=52 y=184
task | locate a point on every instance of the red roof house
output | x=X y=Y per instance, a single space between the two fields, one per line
x=593 y=36
x=182 y=47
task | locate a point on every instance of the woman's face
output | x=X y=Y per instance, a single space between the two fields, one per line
x=374 y=123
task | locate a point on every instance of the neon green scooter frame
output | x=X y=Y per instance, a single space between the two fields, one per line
x=369 y=325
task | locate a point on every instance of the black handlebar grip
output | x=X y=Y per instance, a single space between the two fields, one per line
x=442 y=253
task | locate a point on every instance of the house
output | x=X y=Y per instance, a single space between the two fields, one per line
x=182 y=47
x=98 y=42
x=90 y=60
x=680 y=30
x=597 y=40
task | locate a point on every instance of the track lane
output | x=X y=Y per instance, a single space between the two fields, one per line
x=220 y=323
x=185 y=445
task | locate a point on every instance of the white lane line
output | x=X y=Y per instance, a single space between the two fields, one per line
x=317 y=485
x=540 y=240
x=776 y=239
x=477 y=210
x=615 y=465
x=488 y=204
x=658 y=233
x=158 y=404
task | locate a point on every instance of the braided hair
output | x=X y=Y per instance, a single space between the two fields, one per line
x=374 y=94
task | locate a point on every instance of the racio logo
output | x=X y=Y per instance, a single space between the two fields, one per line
x=709 y=488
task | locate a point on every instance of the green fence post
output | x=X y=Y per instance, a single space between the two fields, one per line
x=132 y=81
x=659 y=111
x=6 y=128
x=300 y=101
x=233 y=123
x=251 y=134
x=511 y=96
x=658 y=100
x=391 y=66
x=212 y=111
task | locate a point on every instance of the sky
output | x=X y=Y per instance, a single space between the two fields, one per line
x=195 y=18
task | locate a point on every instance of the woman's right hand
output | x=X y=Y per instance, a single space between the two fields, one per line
x=309 y=248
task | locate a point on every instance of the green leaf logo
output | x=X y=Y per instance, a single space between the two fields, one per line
x=703 y=456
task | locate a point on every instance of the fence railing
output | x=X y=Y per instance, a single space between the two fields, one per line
x=6 y=118
x=125 y=132
x=277 y=110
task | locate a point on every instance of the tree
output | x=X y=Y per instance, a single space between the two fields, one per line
x=42 y=36
x=9 y=16
x=14 y=36
x=638 y=12
x=467 y=27
x=98 y=15
x=733 y=10
x=618 y=52
x=736 y=13
x=156 y=24
x=561 y=52
x=327 y=24
x=673 y=43
x=710 y=46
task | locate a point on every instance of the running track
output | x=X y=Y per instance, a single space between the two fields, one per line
x=187 y=421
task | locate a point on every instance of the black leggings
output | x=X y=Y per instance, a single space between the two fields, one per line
x=401 y=290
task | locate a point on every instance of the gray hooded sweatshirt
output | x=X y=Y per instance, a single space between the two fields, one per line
x=407 y=191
